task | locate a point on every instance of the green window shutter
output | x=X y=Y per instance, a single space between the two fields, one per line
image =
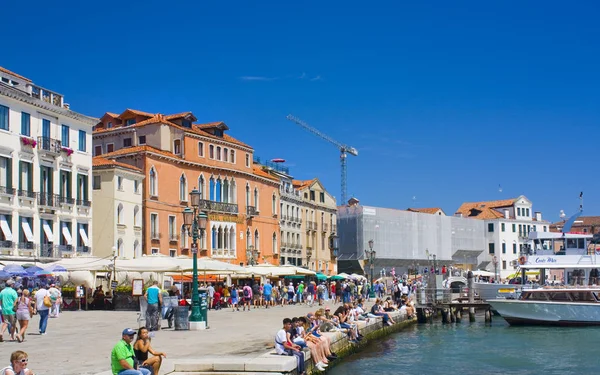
x=20 y=173
x=41 y=179
x=69 y=185
x=51 y=181
x=79 y=187
x=30 y=177
x=9 y=162
x=85 y=188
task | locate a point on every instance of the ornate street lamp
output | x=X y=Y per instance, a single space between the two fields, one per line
x=195 y=224
x=252 y=255
x=371 y=254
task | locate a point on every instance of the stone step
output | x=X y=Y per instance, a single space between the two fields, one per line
x=271 y=364
x=224 y=373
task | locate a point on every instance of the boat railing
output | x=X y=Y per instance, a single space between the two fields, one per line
x=433 y=296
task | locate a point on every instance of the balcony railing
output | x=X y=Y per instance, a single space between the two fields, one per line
x=7 y=190
x=83 y=249
x=6 y=244
x=324 y=227
x=284 y=217
x=84 y=202
x=284 y=244
x=25 y=245
x=46 y=199
x=26 y=194
x=333 y=228
x=173 y=237
x=210 y=206
x=50 y=145
x=251 y=211
x=65 y=248
x=155 y=235
x=60 y=199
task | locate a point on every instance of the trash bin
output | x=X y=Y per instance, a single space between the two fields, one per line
x=182 y=321
x=168 y=302
x=203 y=305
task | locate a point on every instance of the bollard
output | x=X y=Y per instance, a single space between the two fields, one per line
x=453 y=315
x=458 y=315
x=488 y=316
x=470 y=282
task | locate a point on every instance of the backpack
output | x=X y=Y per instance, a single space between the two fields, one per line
x=47 y=301
x=246 y=293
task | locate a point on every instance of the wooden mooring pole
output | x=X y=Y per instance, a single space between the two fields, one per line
x=470 y=282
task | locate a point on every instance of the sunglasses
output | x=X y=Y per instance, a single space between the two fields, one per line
x=24 y=360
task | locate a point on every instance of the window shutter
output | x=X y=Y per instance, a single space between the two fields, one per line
x=20 y=175
x=9 y=173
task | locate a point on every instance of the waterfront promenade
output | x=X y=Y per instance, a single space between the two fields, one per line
x=80 y=342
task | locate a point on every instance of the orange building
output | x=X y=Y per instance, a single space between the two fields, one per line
x=176 y=155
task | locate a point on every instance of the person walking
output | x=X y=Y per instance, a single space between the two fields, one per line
x=55 y=297
x=153 y=314
x=24 y=311
x=8 y=297
x=42 y=307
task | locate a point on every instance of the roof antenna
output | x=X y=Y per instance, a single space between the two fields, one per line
x=581 y=202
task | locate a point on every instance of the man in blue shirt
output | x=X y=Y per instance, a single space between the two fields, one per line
x=154 y=298
x=267 y=292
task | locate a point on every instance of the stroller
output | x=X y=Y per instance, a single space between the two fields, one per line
x=216 y=301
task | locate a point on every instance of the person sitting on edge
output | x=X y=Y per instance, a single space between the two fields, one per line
x=122 y=356
x=142 y=347
x=18 y=364
x=285 y=347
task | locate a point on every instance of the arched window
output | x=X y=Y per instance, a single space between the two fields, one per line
x=226 y=191
x=201 y=187
x=213 y=244
x=120 y=248
x=248 y=238
x=220 y=239
x=153 y=183
x=232 y=242
x=274 y=204
x=218 y=152
x=256 y=198
x=120 y=213
x=183 y=188
x=184 y=237
x=226 y=239
x=218 y=192
x=256 y=242
x=247 y=195
x=225 y=154
x=274 y=243
x=233 y=192
x=136 y=216
x=211 y=186
x=233 y=156
x=137 y=250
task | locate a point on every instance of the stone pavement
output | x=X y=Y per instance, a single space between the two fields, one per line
x=80 y=342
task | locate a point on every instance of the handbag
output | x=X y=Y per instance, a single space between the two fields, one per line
x=47 y=301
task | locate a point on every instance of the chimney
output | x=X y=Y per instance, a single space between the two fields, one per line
x=538 y=216
x=66 y=105
x=458 y=214
x=506 y=213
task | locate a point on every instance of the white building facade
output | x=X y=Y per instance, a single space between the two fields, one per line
x=45 y=173
x=117 y=196
x=291 y=232
x=507 y=224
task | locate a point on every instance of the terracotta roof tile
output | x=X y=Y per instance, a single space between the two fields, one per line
x=431 y=210
x=211 y=125
x=582 y=221
x=302 y=184
x=179 y=115
x=259 y=172
x=485 y=210
x=101 y=161
x=14 y=74
x=135 y=112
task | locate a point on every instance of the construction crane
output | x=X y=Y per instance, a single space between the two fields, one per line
x=344 y=150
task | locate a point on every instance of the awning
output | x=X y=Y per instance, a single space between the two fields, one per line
x=48 y=231
x=5 y=228
x=27 y=229
x=67 y=234
x=84 y=236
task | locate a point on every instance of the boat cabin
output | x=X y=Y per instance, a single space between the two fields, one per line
x=562 y=295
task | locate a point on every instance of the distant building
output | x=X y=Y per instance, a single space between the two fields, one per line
x=507 y=225
x=583 y=224
x=406 y=240
x=45 y=173
x=117 y=193
x=431 y=211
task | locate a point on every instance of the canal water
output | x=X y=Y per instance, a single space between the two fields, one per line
x=478 y=348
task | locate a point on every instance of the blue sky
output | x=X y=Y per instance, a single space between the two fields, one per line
x=445 y=100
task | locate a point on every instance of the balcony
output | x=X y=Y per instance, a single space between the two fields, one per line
x=6 y=244
x=173 y=237
x=324 y=227
x=251 y=211
x=45 y=200
x=26 y=194
x=84 y=249
x=155 y=236
x=50 y=145
x=65 y=248
x=47 y=250
x=62 y=200
x=84 y=203
x=25 y=246
x=7 y=190
x=220 y=207
x=284 y=217
x=333 y=228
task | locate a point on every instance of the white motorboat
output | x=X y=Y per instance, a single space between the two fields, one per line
x=552 y=306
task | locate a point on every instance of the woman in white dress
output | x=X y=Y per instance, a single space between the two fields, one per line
x=18 y=364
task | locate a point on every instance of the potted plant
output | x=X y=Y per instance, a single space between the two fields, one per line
x=28 y=141
x=122 y=298
x=67 y=150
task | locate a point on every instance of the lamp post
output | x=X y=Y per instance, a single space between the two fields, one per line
x=195 y=223
x=496 y=278
x=371 y=256
x=251 y=255
x=334 y=243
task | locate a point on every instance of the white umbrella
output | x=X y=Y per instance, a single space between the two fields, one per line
x=483 y=273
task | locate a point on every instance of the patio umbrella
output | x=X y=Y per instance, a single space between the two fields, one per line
x=43 y=273
x=337 y=277
x=32 y=270
x=15 y=270
x=4 y=275
x=56 y=268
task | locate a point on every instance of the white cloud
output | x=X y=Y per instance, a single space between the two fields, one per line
x=257 y=78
